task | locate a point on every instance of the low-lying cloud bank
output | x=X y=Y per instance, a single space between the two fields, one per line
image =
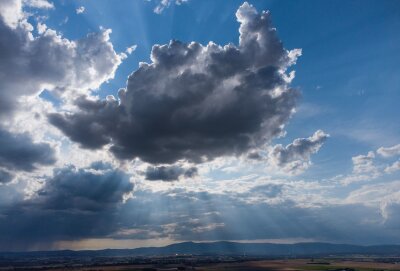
x=73 y=203
x=80 y=204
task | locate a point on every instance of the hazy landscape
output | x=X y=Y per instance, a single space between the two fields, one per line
x=212 y=256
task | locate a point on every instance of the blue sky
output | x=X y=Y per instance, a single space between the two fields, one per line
x=347 y=74
x=152 y=165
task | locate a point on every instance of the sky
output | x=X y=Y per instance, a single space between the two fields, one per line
x=138 y=123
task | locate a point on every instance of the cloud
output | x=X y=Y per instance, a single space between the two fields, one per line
x=33 y=62
x=254 y=155
x=384 y=195
x=81 y=189
x=268 y=190
x=76 y=204
x=368 y=167
x=390 y=151
x=169 y=173
x=80 y=10
x=12 y=14
x=364 y=163
x=19 y=152
x=194 y=102
x=364 y=169
x=391 y=212
x=163 y=4
x=5 y=176
x=131 y=49
x=295 y=157
x=183 y=215
x=43 y=4
x=73 y=203
x=393 y=167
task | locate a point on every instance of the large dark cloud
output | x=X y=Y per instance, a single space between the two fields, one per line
x=5 y=176
x=82 y=190
x=19 y=152
x=194 y=102
x=169 y=173
x=72 y=204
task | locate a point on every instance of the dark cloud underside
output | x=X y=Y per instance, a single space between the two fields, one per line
x=72 y=204
x=194 y=102
x=19 y=152
x=169 y=173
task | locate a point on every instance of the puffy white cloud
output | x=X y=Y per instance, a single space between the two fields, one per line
x=390 y=151
x=364 y=163
x=44 y=4
x=163 y=4
x=31 y=63
x=295 y=157
x=131 y=49
x=393 y=167
x=80 y=10
x=369 y=167
x=364 y=169
x=12 y=14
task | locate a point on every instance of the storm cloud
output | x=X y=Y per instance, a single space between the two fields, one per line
x=169 y=173
x=73 y=203
x=5 y=176
x=194 y=102
x=19 y=152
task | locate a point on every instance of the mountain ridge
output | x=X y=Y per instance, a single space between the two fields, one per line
x=222 y=248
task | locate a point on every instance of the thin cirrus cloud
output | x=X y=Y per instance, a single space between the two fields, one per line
x=194 y=102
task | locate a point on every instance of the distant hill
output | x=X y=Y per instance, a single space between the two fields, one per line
x=222 y=248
